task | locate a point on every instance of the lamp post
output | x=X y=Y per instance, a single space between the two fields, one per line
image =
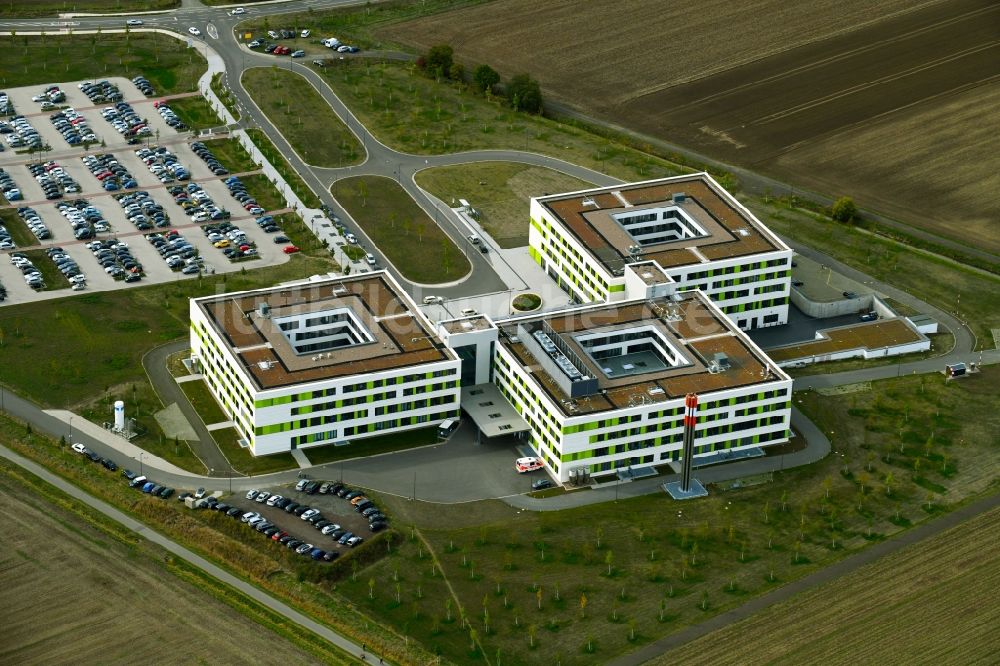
x=141 y=453
x=71 y=430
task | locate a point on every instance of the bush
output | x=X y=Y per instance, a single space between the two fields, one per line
x=844 y=210
x=486 y=78
x=438 y=61
x=525 y=94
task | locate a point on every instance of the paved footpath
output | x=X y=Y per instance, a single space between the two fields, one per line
x=216 y=572
x=825 y=575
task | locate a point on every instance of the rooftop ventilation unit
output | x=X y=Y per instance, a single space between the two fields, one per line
x=467 y=325
x=339 y=289
x=264 y=310
x=265 y=365
x=589 y=201
x=721 y=360
x=679 y=197
x=656 y=390
x=743 y=232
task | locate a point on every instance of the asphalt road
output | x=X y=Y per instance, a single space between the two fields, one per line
x=173 y=547
x=169 y=392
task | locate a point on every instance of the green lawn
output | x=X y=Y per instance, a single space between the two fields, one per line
x=19 y=231
x=203 y=402
x=53 y=278
x=232 y=155
x=499 y=192
x=373 y=445
x=354 y=252
x=520 y=577
x=949 y=286
x=110 y=332
x=195 y=112
x=264 y=191
x=411 y=240
x=415 y=114
x=32 y=8
x=279 y=162
x=167 y=62
x=245 y=462
x=304 y=118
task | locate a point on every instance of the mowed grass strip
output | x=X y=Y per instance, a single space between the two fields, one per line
x=278 y=161
x=195 y=112
x=54 y=279
x=411 y=240
x=19 y=231
x=932 y=588
x=304 y=118
x=28 y=60
x=500 y=193
x=370 y=446
x=203 y=402
x=109 y=332
x=264 y=191
x=232 y=155
x=31 y=8
x=245 y=462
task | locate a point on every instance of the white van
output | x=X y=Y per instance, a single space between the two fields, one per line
x=331 y=42
x=447 y=427
x=473 y=238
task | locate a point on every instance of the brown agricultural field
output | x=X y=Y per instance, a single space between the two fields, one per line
x=75 y=594
x=890 y=104
x=944 y=586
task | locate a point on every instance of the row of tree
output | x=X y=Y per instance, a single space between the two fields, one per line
x=522 y=91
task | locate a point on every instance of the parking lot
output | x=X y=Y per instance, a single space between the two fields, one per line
x=114 y=220
x=285 y=519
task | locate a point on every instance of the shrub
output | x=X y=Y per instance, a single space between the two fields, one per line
x=844 y=210
x=525 y=94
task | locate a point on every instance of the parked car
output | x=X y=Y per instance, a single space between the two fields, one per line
x=79 y=448
x=539 y=484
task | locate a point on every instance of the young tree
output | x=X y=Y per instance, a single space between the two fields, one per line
x=438 y=60
x=525 y=94
x=486 y=78
x=609 y=559
x=583 y=605
x=844 y=210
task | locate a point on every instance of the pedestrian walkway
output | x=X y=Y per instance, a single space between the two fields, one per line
x=119 y=443
x=300 y=458
x=220 y=426
x=188 y=378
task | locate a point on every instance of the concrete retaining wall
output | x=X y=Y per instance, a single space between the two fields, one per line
x=844 y=306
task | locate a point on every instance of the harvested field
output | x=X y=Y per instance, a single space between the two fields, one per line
x=837 y=97
x=107 y=602
x=932 y=602
x=500 y=191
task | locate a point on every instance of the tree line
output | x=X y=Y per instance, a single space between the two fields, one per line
x=523 y=93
